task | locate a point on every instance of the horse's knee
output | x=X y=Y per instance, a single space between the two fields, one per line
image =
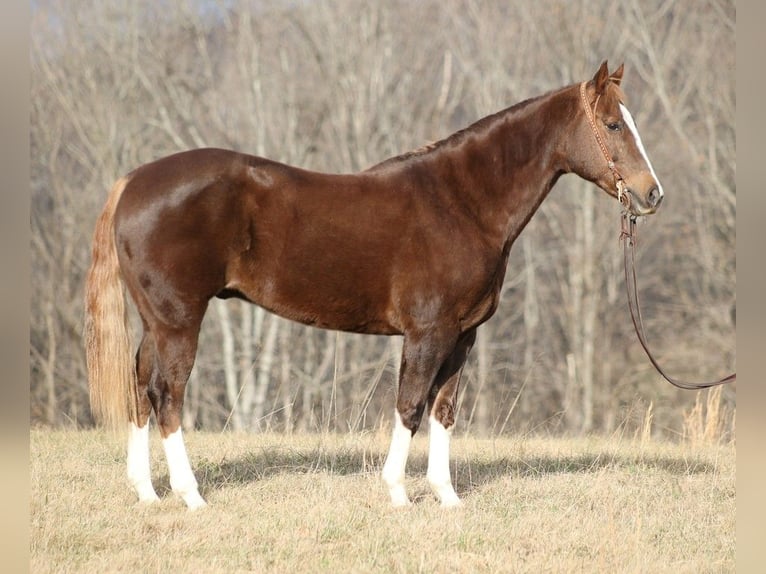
x=411 y=415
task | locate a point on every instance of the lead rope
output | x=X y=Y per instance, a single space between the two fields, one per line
x=628 y=238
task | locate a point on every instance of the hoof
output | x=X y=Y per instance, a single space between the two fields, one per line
x=452 y=503
x=194 y=501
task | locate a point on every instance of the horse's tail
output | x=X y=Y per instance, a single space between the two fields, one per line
x=108 y=337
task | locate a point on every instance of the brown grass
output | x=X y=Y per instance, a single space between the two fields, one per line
x=314 y=503
x=706 y=421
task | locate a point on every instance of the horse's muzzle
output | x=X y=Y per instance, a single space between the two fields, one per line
x=654 y=197
x=643 y=205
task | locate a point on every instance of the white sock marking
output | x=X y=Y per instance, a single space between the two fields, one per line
x=182 y=479
x=634 y=130
x=139 y=473
x=393 y=470
x=438 y=463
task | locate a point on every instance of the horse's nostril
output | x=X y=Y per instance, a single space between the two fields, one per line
x=655 y=197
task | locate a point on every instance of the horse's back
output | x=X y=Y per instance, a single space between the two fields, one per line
x=313 y=247
x=361 y=252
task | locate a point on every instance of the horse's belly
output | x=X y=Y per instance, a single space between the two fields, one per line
x=320 y=293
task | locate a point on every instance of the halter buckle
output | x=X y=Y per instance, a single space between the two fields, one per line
x=622 y=192
x=628 y=228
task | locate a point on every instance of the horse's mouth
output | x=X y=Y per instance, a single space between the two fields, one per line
x=638 y=205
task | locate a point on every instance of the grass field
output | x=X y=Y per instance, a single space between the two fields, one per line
x=315 y=503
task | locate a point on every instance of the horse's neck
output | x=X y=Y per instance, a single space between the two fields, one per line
x=510 y=163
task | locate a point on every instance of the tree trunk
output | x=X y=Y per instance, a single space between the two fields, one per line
x=265 y=364
x=229 y=364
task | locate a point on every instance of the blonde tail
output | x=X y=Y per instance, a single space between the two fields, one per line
x=108 y=338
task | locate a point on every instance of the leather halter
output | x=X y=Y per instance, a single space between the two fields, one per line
x=619 y=181
x=628 y=237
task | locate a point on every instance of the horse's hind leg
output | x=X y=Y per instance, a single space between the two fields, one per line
x=176 y=349
x=139 y=472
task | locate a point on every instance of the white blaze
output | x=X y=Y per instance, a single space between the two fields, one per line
x=634 y=130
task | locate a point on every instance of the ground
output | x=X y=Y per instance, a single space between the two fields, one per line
x=316 y=503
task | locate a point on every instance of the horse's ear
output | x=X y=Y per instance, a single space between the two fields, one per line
x=616 y=76
x=601 y=78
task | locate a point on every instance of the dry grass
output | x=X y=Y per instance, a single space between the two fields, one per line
x=707 y=421
x=316 y=504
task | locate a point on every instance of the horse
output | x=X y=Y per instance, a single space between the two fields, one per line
x=416 y=246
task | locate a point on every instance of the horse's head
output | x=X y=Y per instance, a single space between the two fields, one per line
x=608 y=150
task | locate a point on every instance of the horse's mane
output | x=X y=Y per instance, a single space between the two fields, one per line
x=458 y=136
x=613 y=91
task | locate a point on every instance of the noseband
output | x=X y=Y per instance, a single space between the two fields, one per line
x=619 y=181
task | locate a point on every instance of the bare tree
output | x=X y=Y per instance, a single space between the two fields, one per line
x=340 y=85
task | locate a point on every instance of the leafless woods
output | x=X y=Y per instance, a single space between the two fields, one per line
x=340 y=85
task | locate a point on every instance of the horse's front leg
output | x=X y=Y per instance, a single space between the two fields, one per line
x=422 y=357
x=442 y=406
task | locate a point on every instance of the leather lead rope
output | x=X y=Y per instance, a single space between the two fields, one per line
x=628 y=236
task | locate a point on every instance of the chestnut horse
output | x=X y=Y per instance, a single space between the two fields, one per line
x=415 y=246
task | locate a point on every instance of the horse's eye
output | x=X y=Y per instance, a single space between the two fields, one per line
x=614 y=126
